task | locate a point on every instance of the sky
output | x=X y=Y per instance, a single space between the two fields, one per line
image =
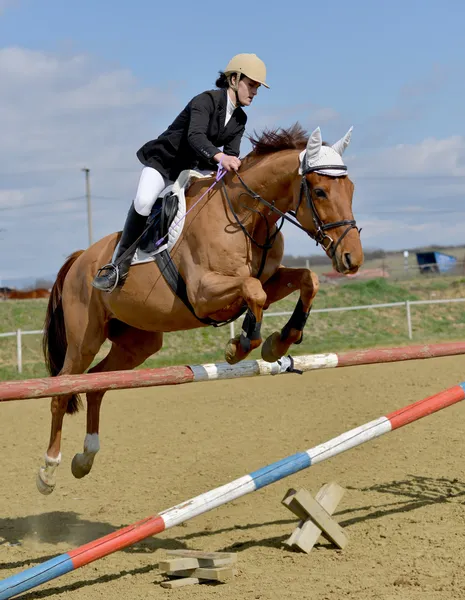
x=84 y=85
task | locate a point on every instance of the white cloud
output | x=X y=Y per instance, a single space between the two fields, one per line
x=65 y=111
x=11 y=198
x=57 y=115
x=61 y=113
x=405 y=195
x=430 y=157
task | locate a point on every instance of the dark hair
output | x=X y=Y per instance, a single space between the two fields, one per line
x=223 y=80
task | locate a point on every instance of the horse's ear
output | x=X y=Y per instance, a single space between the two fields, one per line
x=314 y=145
x=342 y=144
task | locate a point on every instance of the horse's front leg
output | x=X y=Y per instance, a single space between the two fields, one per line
x=216 y=292
x=284 y=282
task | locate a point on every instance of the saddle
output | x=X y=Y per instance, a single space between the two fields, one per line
x=166 y=220
x=160 y=219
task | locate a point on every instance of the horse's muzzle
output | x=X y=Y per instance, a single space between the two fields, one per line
x=348 y=261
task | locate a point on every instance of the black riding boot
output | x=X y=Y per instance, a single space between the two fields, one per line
x=113 y=274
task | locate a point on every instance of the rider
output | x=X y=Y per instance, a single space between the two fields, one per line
x=210 y=120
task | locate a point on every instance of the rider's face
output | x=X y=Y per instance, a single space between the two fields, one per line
x=247 y=90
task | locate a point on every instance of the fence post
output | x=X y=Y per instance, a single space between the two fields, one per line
x=19 y=351
x=409 y=320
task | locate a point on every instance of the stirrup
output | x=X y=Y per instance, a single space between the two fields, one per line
x=108 y=267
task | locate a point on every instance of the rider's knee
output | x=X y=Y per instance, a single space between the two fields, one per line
x=151 y=185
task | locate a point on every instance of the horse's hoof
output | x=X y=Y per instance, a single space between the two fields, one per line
x=80 y=469
x=44 y=484
x=231 y=351
x=268 y=352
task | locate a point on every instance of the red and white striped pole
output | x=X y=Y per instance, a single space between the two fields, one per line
x=256 y=480
x=118 y=380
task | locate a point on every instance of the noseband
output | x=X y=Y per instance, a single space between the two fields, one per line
x=319 y=235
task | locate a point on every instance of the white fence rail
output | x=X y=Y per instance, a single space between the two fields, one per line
x=19 y=343
x=407 y=304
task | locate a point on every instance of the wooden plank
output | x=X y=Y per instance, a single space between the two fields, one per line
x=177 y=564
x=206 y=559
x=213 y=574
x=320 y=519
x=201 y=554
x=295 y=507
x=329 y=496
x=288 y=502
x=177 y=583
x=307 y=532
x=294 y=535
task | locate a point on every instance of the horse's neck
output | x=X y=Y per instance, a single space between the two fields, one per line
x=271 y=179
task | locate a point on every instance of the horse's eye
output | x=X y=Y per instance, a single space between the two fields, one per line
x=319 y=193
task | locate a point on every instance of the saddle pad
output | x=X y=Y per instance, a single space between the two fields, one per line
x=178 y=188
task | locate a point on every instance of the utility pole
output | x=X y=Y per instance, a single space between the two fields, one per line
x=89 y=210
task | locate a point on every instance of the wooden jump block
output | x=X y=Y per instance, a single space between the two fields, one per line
x=178 y=564
x=206 y=559
x=177 y=583
x=213 y=574
x=315 y=517
x=194 y=566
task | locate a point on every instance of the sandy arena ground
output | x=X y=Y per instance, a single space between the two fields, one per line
x=403 y=510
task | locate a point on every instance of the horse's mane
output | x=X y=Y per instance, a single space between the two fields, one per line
x=274 y=140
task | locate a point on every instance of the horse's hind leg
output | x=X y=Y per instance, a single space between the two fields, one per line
x=129 y=349
x=75 y=363
x=74 y=333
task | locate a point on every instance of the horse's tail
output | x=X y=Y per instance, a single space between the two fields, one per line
x=54 y=343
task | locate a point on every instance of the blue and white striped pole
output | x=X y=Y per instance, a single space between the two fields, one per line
x=132 y=534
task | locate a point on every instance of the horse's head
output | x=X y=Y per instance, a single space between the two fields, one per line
x=323 y=202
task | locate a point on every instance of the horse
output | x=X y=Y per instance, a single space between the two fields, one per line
x=27 y=294
x=229 y=257
x=5 y=292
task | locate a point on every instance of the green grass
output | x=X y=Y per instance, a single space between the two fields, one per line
x=324 y=332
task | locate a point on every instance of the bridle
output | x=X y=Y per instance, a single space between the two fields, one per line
x=319 y=235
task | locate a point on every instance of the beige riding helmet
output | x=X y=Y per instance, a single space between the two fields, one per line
x=249 y=65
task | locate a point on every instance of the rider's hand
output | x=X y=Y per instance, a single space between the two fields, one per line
x=229 y=163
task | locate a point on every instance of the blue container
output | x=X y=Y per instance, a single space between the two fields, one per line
x=435 y=262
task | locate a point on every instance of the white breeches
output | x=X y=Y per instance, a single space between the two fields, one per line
x=151 y=185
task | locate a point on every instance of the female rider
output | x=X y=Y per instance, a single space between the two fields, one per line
x=210 y=120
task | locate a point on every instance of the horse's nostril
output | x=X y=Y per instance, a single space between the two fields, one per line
x=347 y=260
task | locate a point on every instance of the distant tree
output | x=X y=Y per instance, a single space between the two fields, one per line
x=43 y=283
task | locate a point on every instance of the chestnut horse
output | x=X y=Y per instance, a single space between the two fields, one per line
x=229 y=238
x=27 y=294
